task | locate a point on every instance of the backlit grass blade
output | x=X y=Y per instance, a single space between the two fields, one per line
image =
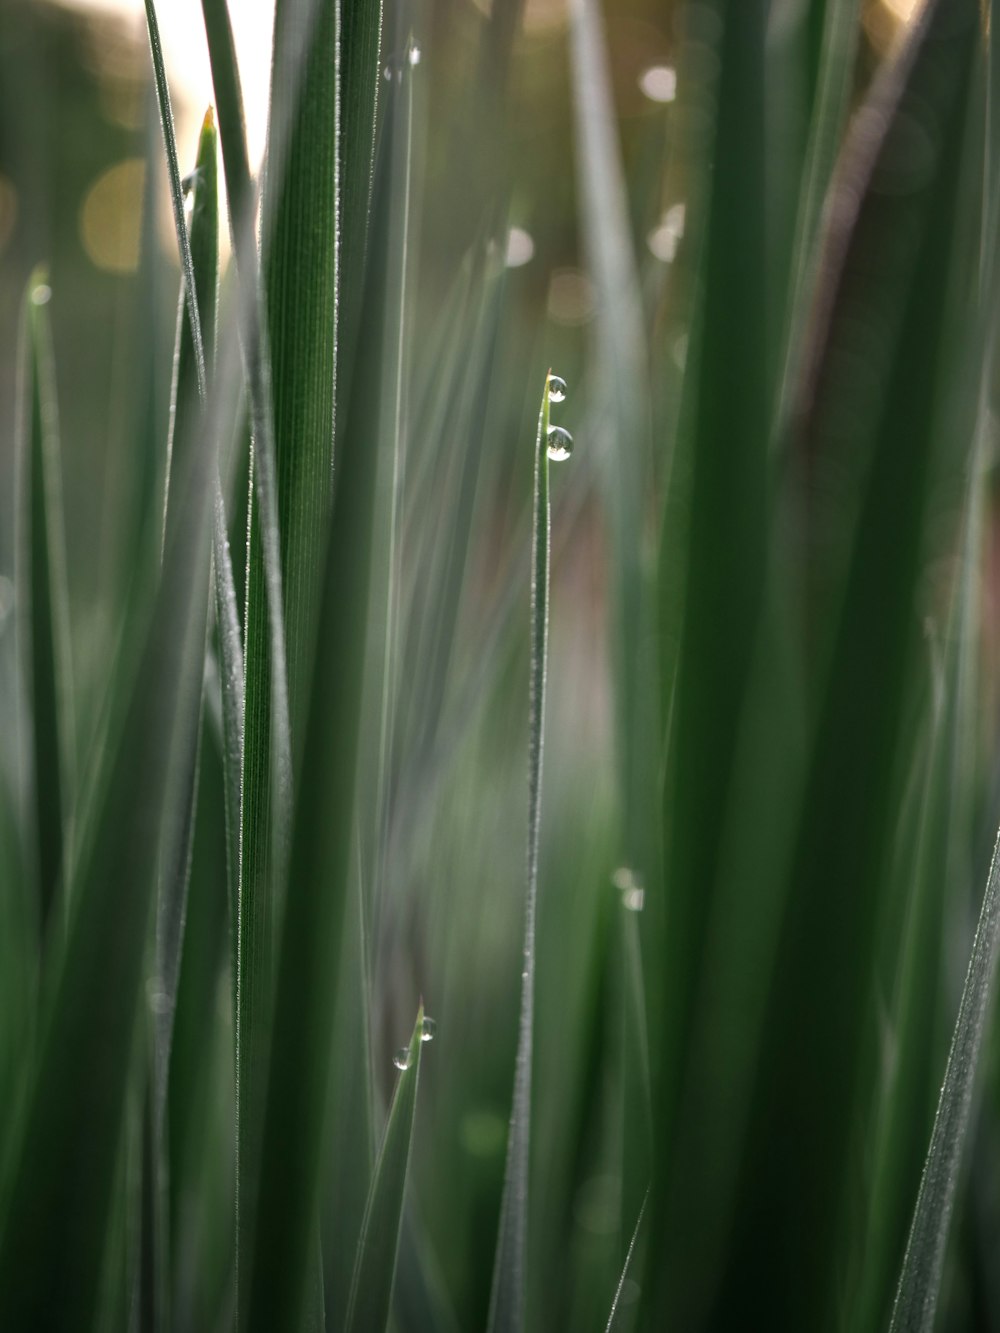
x=920 y=1279
x=58 y=1192
x=508 y=1294
x=375 y=1265
x=187 y=421
x=43 y=621
x=621 y=430
x=614 y=1319
x=231 y=651
x=293 y=1149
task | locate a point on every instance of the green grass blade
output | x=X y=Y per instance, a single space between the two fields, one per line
x=176 y=193
x=621 y=431
x=42 y=583
x=57 y=1197
x=890 y=325
x=301 y=276
x=614 y=1318
x=508 y=1294
x=187 y=427
x=360 y=73
x=293 y=1150
x=920 y=1278
x=375 y=1265
x=717 y=485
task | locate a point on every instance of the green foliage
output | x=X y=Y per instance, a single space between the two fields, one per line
x=720 y=1058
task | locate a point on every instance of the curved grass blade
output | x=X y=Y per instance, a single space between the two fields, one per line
x=378 y=1247
x=293 y=1148
x=42 y=585
x=507 y=1296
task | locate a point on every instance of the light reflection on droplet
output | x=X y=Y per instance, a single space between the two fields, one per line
x=659 y=83
x=520 y=248
x=402 y=1058
x=560 y=444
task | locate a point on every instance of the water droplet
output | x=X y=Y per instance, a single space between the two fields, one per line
x=557 y=389
x=42 y=294
x=402 y=1058
x=630 y=887
x=560 y=444
x=427 y=1029
x=520 y=247
x=659 y=83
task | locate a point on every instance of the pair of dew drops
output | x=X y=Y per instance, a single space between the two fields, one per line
x=560 y=442
x=402 y=1057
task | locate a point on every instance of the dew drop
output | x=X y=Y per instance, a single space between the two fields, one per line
x=560 y=443
x=427 y=1029
x=42 y=294
x=557 y=389
x=402 y=1058
x=629 y=885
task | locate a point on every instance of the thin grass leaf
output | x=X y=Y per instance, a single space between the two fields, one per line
x=300 y=272
x=293 y=1149
x=187 y=421
x=920 y=1279
x=614 y=1318
x=508 y=1294
x=230 y=640
x=58 y=1190
x=378 y=1247
x=620 y=431
x=44 y=622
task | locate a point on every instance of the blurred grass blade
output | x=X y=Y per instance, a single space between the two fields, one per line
x=621 y=430
x=614 y=1319
x=889 y=326
x=507 y=1297
x=44 y=623
x=920 y=1279
x=293 y=1150
x=58 y=1192
x=375 y=1265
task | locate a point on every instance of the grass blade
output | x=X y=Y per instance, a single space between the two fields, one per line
x=614 y=1318
x=293 y=1149
x=42 y=579
x=301 y=276
x=507 y=1297
x=378 y=1247
x=920 y=1278
x=57 y=1197
x=886 y=347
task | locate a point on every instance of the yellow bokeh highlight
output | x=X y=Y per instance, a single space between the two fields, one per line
x=111 y=217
